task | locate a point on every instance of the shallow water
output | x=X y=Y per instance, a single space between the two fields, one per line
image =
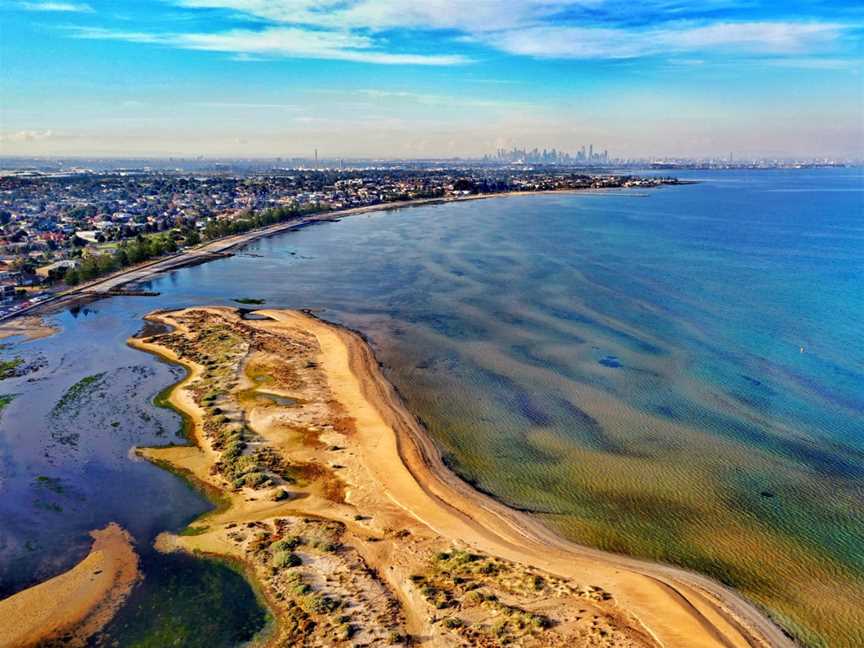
x=676 y=375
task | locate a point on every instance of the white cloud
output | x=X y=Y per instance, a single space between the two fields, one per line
x=459 y=15
x=363 y=30
x=26 y=136
x=443 y=101
x=587 y=43
x=772 y=37
x=62 y=7
x=250 y=106
x=292 y=42
x=814 y=63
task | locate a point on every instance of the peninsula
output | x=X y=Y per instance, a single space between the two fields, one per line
x=343 y=513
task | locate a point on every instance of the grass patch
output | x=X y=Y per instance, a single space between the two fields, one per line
x=50 y=483
x=5 y=399
x=77 y=391
x=163 y=400
x=8 y=368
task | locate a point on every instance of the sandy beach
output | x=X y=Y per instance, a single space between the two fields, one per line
x=70 y=608
x=333 y=490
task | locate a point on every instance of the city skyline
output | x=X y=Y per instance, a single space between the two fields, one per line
x=374 y=78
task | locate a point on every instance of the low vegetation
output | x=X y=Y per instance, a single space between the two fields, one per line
x=5 y=400
x=78 y=391
x=9 y=368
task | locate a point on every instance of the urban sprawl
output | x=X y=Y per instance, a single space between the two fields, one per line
x=61 y=229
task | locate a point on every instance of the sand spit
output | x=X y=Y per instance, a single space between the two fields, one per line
x=357 y=534
x=32 y=328
x=68 y=609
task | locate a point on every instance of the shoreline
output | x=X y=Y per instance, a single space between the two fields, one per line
x=674 y=607
x=220 y=248
x=423 y=459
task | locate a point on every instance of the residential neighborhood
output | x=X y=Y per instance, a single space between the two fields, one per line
x=58 y=229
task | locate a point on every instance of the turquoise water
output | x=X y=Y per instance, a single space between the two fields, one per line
x=676 y=374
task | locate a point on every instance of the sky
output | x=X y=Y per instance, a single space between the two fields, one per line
x=431 y=78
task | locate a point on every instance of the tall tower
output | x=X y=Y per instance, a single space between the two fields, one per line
x=590 y=152
x=316 y=158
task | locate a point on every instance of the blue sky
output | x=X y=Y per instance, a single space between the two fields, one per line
x=398 y=78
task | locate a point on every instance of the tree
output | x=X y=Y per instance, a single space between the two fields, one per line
x=135 y=253
x=121 y=258
x=105 y=263
x=71 y=278
x=89 y=268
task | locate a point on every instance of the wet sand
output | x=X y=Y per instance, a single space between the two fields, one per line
x=395 y=475
x=70 y=608
x=31 y=328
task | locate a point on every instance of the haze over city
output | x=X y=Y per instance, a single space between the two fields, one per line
x=375 y=78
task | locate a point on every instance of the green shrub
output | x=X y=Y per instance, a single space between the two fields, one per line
x=254 y=479
x=286 y=559
x=287 y=544
x=322 y=604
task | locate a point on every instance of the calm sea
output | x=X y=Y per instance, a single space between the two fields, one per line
x=676 y=374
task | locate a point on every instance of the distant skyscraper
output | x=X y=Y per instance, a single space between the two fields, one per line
x=550 y=156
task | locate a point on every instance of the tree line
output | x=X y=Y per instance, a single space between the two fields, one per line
x=143 y=248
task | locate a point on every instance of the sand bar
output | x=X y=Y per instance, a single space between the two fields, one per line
x=31 y=328
x=73 y=606
x=348 y=463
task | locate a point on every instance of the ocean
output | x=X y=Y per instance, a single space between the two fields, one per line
x=675 y=373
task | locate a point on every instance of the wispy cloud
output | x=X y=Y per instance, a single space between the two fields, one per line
x=459 y=15
x=61 y=7
x=26 y=136
x=577 y=29
x=366 y=98
x=291 y=42
x=250 y=106
x=371 y=31
x=613 y=43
